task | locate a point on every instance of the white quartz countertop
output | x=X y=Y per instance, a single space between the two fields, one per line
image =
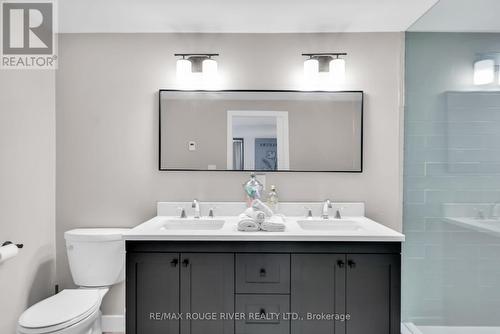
x=368 y=230
x=353 y=226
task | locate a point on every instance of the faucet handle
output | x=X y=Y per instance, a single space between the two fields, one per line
x=338 y=213
x=309 y=212
x=182 y=212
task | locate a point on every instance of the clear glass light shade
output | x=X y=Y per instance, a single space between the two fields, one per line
x=209 y=67
x=183 y=68
x=311 y=68
x=337 y=70
x=484 y=72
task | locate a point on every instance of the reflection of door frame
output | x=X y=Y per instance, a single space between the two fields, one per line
x=282 y=140
x=242 y=160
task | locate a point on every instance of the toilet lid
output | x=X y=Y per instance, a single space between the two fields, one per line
x=95 y=234
x=67 y=307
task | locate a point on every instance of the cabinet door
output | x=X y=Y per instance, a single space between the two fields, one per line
x=152 y=286
x=317 y=287
x=207 y=286
x=373 y=294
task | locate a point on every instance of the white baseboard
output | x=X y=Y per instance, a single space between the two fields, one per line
x=113 y=323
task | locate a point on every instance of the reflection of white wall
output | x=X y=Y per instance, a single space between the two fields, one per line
x=250 y=128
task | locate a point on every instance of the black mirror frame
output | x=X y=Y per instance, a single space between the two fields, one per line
x=259 y=171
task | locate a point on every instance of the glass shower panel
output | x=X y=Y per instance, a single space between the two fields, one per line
x=451 y=259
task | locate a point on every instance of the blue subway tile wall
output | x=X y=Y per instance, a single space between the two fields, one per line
x=451 y=259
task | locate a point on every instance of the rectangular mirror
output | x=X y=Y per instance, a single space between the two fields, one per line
x=269 y=131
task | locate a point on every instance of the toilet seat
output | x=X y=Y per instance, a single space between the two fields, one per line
x=60 y=311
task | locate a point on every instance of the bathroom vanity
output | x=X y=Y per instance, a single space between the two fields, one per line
x=188 y=275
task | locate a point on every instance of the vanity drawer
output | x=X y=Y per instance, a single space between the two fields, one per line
x=264 y=314
x=262 y=273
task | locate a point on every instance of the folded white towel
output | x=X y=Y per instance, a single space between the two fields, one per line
x=258 y=205
x=273 y=224
x=247 y=224
x=256 y=215
x=269 y=226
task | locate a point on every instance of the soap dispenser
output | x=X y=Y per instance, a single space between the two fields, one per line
x=272 y=199
x=253 y=189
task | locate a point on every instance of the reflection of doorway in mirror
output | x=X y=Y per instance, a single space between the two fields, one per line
x=252 y=126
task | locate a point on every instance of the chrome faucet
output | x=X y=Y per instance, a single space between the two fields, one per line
x=196 y=207
x=326 y=205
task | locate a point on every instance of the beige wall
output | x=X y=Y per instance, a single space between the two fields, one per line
x=27 y=189
x=107 y=123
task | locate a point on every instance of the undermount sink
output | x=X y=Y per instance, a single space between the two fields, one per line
x=329 y=225
x=193 y=224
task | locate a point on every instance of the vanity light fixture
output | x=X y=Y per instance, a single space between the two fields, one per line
x=332 y=63
x=196 y=63
x=484 y=72
x=209 y=67
x=183 y=68
x=337 y=69
x=311 y=68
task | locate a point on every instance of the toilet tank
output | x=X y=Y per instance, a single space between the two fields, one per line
x=96 y=256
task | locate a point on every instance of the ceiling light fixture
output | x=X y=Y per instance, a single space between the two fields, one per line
x=331 y=63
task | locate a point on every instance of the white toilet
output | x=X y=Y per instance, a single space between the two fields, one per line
x=96 y=260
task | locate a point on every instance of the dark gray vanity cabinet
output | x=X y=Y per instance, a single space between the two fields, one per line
x=163 y=288
x=155 y=280
x=207 y=286
x=366 y=287
x=372 y=291
x=263 y=289
x=263 y=273
x=316 y=287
